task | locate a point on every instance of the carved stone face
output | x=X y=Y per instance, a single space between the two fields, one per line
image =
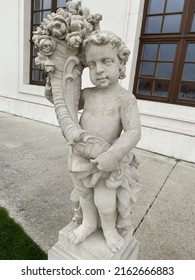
x=104 y=64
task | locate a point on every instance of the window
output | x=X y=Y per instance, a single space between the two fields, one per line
x=166 y=60
x=39 y=10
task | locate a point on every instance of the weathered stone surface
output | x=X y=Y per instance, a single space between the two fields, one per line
x=103 y=169
x=88 y=250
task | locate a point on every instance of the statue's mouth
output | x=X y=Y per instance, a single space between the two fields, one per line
x=101 y=79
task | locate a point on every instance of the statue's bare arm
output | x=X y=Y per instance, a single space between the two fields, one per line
x=130 y=119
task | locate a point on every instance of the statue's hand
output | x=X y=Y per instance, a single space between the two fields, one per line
x=87 y=145
x=77 y=136
x=105 y=162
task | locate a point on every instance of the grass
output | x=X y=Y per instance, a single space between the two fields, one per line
x=15 y=244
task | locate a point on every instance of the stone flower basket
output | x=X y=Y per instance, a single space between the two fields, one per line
x=59 y=39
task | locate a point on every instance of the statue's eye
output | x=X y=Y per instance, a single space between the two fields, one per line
x=108 y=61
x=91 y=65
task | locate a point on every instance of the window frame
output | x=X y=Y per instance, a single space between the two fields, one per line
x=181 y=39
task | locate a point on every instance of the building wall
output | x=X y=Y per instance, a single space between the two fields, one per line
x=9 y=49
x=166 y=129
x=16 y=95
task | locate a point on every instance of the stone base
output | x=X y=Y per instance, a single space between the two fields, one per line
x=93 y=248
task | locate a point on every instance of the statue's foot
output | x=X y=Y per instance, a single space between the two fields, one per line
x=124 y=223
x=80 y=234
x=113 y=239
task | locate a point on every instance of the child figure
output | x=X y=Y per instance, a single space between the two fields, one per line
x=106 y=185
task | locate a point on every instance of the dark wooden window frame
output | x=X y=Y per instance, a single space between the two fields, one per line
x=32 y=49
x=181 y=39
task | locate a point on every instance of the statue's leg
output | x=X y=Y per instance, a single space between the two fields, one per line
x=124 y=220
x=105 y=201
x=89 y=210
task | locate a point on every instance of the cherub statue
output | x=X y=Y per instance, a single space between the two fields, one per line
x=103 y=169
x=107 y=110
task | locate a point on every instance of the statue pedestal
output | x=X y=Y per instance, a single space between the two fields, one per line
x=93 y=248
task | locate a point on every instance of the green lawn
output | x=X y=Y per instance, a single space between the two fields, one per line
x=15 y=244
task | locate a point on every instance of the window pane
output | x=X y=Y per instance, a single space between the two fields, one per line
x=37 y=18
x=172 y=23
x=164 y=70
x=35 y=75
x=174 y=6
x=37 y=4
x=147 y=69
x=35 y=51
x=43 y=76
x=190 y=55
x=150 y=51
x=156 y=6
x=145 y=87
x=34 y=65
x=189 y=72
x=61 y=3
x=161 y=88
x=153 y=24
x=187 y=91
x=193 y=24
x=45 y=13
x=46 y=4
x=167 y=52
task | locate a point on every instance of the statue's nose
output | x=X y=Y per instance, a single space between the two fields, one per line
x=99 y=68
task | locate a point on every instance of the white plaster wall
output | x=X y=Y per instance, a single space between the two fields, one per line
x=113 y=12
x=9 y=29
x=168 y=129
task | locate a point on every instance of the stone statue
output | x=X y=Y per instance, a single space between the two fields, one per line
x=102 y=166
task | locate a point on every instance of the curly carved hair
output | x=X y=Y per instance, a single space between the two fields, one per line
x=106 y=37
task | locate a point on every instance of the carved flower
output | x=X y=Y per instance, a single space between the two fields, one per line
x=79 y=24
x=40 y=60
x=46 y=45
x=88 y=26
x=73 y=7
x=83 y=11
x=49 y=66
x=95 y=20
x=74 y=40
x=76 y=23
x=58 y=26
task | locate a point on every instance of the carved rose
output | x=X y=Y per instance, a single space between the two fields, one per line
x=46 y=45
x=74 y=40
x=76 y=23
x=83 y=11
x=58 y=27
x=73 y=7
x=79 y=25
